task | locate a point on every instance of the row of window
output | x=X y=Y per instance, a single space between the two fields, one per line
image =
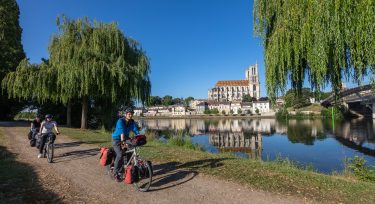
x=233 y=89
x=233 y=95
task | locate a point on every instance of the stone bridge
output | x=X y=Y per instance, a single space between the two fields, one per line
x=359 y=100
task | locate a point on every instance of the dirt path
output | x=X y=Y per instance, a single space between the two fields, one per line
x=76 y=177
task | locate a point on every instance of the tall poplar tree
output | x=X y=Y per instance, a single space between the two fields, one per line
x=11 y=52
x=324 y=41
x=89 y=61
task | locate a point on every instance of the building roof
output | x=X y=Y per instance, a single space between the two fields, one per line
x=233 y=83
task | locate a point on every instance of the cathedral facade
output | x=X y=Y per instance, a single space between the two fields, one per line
x=234 y=90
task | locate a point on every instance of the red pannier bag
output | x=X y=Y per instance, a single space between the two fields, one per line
x=106 y=156
x=131 y=174
x=128 y=175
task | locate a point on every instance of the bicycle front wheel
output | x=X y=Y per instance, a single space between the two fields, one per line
x=50 y=150
x=143 y=174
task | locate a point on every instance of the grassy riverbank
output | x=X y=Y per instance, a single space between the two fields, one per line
x=279 y=177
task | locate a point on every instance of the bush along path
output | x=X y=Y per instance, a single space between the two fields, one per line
x=75 y=176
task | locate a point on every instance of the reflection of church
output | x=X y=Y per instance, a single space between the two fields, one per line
x=237 y=142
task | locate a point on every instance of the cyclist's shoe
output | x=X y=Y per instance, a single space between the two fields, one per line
x=40 y=155
x=117 y=178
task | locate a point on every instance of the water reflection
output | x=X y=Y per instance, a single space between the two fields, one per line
x=263 y=138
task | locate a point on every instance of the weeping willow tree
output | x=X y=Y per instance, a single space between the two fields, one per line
x=326 y=41
x=90 y=61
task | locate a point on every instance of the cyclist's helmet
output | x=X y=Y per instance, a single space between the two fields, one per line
x=129 y=110
x=48 y=116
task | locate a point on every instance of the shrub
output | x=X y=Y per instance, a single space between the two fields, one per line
x=358 y=167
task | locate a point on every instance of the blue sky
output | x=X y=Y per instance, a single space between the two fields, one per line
x=191 y=43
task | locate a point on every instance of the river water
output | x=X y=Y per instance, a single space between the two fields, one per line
x=307 y=142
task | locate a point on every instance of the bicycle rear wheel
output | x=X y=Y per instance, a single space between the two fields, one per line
x=143 y=174
x=50 y=150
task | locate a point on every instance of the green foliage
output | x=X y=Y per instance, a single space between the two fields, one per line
x=339 y=112
x=11 y=53
x=358 y=167
x=297 y=99
x=257 y=111
x=188 y=100
x=223 y=112
x=207 y=111
x=231 y=112
x=25 y=116
x=215 y=111
x=182 y=140
x=324 y=40
x=10 y=37
x=167 y=100
x=239 y=111
x=154 y=101
x=282 y=114
x=248 y=98
x=178 y=101
x=88 y=61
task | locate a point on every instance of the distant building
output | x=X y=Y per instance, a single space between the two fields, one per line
x=201 y=107
x=235 y=107
x=194 y=102
x=262 y=105
x=232 y=90
x=179 y=110
x=139 y=111
x=247 y=107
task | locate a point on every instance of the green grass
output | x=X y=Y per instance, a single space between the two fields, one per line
x=279 y=176
x=312 y=107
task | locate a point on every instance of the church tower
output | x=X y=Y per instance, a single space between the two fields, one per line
x=252 y=77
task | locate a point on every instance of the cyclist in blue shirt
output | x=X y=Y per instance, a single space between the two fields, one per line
x=124 y=126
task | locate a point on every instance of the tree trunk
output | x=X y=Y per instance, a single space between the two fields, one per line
x=69 y=114
x=85 y=106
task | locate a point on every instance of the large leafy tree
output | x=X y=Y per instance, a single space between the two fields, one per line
x=89 y=61
x=325 y=40
x=154 y=101
x=188 y=100
x=11 y=51
x=167 y=100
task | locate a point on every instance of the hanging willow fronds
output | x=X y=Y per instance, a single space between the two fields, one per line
x=86 y=59
x=325 y=40
x=97 y=60
x=32 y=81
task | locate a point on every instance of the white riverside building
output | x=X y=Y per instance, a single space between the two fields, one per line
x=234 y=90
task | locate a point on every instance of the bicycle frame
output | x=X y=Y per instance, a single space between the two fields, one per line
x=133 y=157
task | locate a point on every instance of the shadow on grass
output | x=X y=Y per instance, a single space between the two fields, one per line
x=19 y=183
x=172 y=174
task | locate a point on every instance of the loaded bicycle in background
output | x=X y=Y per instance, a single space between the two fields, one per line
x=49 y=146
x=46 y=138
x=34 y=130
x=135 y=170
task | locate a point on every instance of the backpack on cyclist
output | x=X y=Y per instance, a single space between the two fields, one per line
x=106 y=156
